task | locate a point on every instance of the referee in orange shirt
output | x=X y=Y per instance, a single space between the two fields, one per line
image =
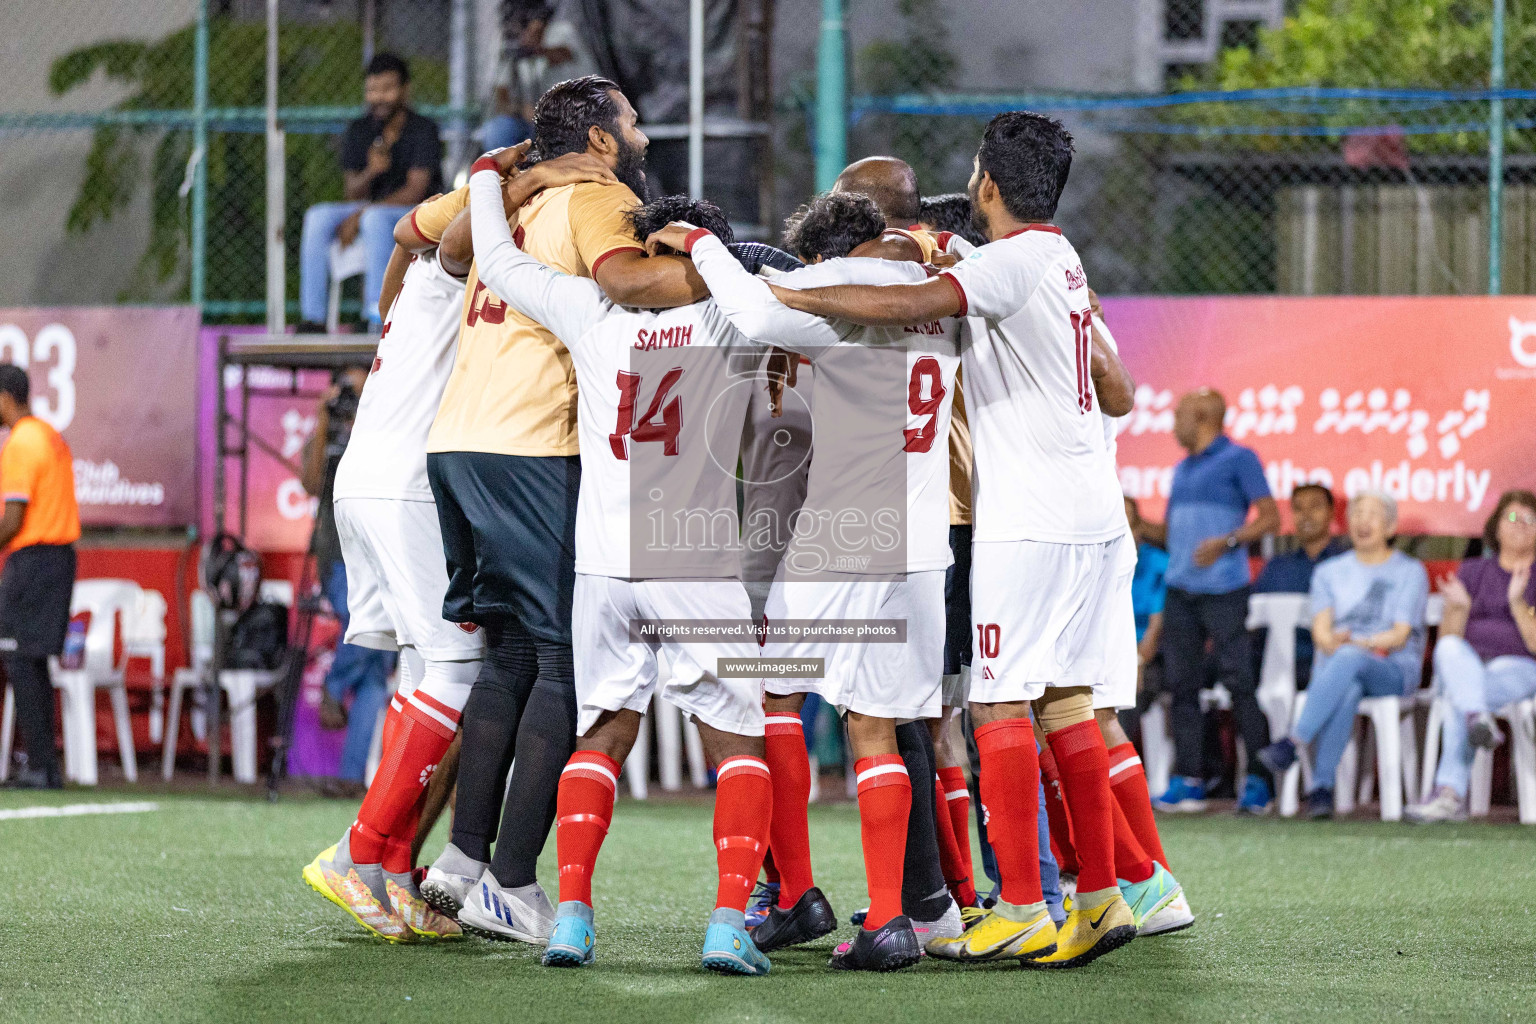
x=38 y=530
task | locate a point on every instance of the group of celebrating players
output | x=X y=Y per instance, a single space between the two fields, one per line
x=605 y=453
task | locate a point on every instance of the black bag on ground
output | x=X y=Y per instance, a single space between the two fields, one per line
x=260 y=637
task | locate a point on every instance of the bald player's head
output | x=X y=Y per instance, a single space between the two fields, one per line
x=890 y=182
x=1198 y=419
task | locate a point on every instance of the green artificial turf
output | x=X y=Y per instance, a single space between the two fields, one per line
x=196 y=912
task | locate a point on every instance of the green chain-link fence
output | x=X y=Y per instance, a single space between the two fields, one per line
x=1346 y=151
x=101 y=124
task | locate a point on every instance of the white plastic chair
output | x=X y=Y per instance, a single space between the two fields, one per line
x=144 y=637
x=1281 y=615
x=108 y=601
x=1395 y=751
x=241 y=686
x=1157 y=746
x=184 y=679
x=1521 y=719
x=1396 y=754
x=345 y=261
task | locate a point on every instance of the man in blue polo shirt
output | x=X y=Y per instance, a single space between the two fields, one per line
x=1291 y=573
x=1207 y=536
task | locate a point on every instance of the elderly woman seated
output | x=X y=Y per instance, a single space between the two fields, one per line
x=1484 y=655
x=1368 y=628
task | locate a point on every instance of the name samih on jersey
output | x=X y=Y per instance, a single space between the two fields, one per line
x=662 y=400
x=880 y=419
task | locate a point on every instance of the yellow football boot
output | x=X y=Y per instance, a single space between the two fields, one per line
x=419 y=916
x=995 y=937
x=338 y=881
x=1089 y=933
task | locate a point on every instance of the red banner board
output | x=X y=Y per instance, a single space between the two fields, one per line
x=120 y=383
x=1430 y=399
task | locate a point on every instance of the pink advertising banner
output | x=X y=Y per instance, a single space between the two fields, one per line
x=120 y=383
x=1430 y=399
x=280 y=515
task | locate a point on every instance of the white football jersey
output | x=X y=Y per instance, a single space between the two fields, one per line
x=386 y=456
x=1043 y=471
x=877 y=501
x=661 y=404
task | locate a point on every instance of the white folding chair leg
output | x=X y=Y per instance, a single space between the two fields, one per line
x=1344 y=783
x=1523 y=762
x=240 y=693
x=1365 y=778
x=333 y=305
x=7 y=725
x=1437 y=710
x=1156 y=748
x=172 y=732
x=637 y=766
x=80 y=727
x=1408 y=744
x=669 y=744
x=1385 y=725
x=1480 y=790
x=698 y=769
x=1291 y=782
x=124 y=723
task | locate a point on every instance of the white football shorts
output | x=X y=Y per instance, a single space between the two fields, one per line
x=613 y=673
x=885 y=680
x=1121 y=661
x=396 y=579
x=1046 y=615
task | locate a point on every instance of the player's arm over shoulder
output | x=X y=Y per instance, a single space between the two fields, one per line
x=423 y=227
x=997 y=280
x=607 y=245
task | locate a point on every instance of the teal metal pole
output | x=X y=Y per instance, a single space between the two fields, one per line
x=200 y=155
x=831 y=97
x=1496 y=155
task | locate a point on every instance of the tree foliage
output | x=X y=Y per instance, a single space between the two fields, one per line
x=319 y=65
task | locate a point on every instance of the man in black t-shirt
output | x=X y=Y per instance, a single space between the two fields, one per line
x=391 y=159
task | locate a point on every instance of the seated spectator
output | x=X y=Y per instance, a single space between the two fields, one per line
x=543 y=47
x=391 y=159
x=1484 y=654
x=1291 y=573
x=1368 y=627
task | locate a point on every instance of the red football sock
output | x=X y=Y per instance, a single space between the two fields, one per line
x=402 y=836
x=957 y=869
x=1131 y=861
x=885 y=801
x=583 y=808
x=789 y=833
x=1010 y=802
x=1056 y=814
x=1084 y=765
x=770 y=869
x=397 y=854
x=743 y=808
x=1128 y=782
x=956 y=805
x=421 y=736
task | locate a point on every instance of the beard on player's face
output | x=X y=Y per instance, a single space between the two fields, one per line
x=630 y=166
x=978 y=216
